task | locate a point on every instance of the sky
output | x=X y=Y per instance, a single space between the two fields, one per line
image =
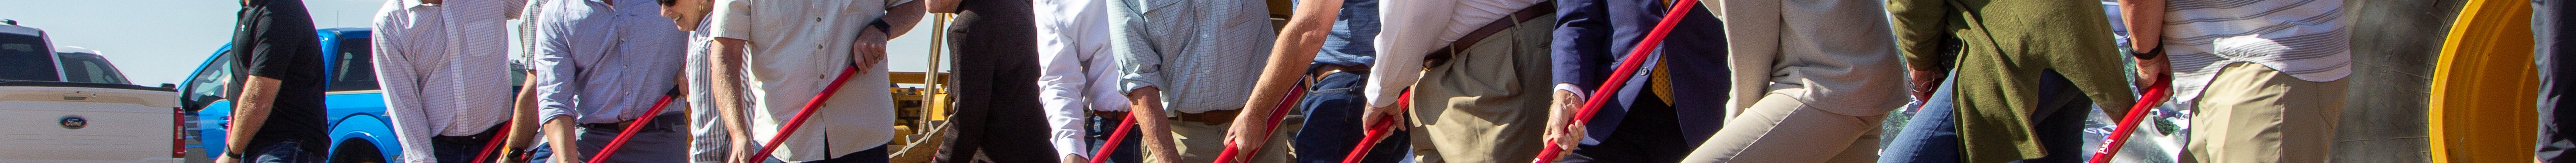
x=161 y=41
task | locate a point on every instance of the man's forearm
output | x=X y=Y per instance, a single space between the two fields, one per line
x=560 y=136
x=727 y=66
x=901 y=18
x=1146 y=106
x=1289 y=58
x=2146 y=22
x=251 y=111
x=940 y=6
x=523 y=118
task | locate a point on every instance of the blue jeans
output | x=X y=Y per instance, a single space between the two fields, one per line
x=1333 y=109
x=462 y=149
x=1126 y=152
x=1932 y=136
x=284 y=152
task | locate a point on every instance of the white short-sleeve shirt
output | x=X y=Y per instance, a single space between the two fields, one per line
x=796 y=46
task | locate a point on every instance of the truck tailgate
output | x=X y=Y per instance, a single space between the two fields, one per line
x=86 y=124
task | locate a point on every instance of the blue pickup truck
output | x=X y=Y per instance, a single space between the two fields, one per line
x=359 y=130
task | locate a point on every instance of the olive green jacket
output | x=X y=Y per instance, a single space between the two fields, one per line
x=2000 y=48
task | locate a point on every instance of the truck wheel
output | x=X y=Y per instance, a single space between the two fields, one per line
x=356 y=151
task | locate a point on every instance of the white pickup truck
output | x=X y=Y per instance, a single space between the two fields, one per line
x=74 y=106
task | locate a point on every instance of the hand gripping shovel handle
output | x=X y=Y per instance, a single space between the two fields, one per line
x=1619 y=77
x=1294 y=94
x=639 y=124
x=807 y=112
x=1377 y=131
x=2155 y=94
x=1114 y=136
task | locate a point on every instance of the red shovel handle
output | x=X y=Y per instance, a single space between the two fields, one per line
x=807 y=112
x=495 y=144
x=2155 y=94
x=639 y=124
x=1620 y=77
x=1114 y=136
x=1377 y=131
x=1231 y=149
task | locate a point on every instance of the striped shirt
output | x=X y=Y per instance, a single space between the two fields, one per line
x=443 y=67
x=1204 y=55
x=707 y=143
x=2304 y=38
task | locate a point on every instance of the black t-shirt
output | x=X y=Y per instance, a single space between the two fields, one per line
x=275 y=39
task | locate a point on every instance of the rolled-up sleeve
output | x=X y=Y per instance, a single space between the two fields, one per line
x=555 y=71
x=730 y=19
x=1139 y=65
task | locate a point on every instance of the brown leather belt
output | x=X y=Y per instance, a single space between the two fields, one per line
x=1320 y=70
x=1465 y=42
x=1210 y=117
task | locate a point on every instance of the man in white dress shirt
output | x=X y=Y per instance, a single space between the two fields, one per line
x=1078 y=80
x=1483 y=92
x=438 y=61
x=777 y=54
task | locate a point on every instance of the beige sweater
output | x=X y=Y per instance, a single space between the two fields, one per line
x=1841 y=51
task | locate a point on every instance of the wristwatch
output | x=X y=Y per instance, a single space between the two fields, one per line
x=2158 y=51
x=881 y=26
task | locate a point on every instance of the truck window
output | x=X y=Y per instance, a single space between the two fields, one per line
x=90 y=68
x=24 y=52
x=357 y=71
x=213 y=82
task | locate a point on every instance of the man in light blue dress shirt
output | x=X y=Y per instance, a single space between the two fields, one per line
x=597 y=69
x=1196 y=60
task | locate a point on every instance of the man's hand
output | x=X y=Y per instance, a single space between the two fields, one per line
x=2152 y=67
x=1373 y=114
x=1925 y=82
x=1560 y=129
x=1146 y=106
x=1075 y=159
x=869 y=50
x=741 y=149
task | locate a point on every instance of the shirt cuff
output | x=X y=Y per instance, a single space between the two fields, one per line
x=549 y=114
x=1578 y=90
x=1127 y=84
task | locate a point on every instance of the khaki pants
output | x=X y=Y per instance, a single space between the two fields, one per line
x=1781 y=129
x=1201 y=142
x=2252 y=113
x=1487 y=104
